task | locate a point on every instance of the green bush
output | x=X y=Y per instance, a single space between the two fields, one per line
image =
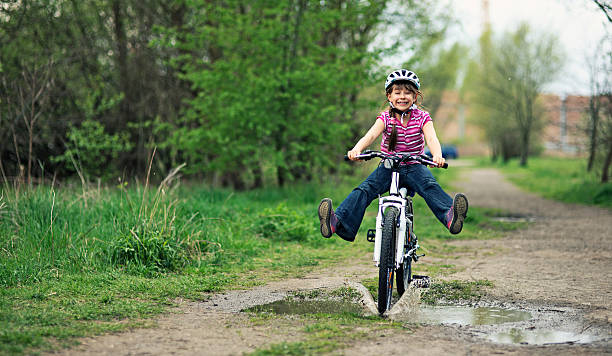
x=91 y=150
x=284 y=223
x=149 y=249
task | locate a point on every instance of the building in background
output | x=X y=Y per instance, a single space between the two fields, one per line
x=564 y=131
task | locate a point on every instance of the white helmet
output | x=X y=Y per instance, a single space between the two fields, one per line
x=402 y=74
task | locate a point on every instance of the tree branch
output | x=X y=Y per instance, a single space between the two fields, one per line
x=605 y=7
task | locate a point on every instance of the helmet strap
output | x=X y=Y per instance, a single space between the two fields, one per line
x=402 y=113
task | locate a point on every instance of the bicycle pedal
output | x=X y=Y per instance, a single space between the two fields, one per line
x=421 y=281
x=371 y=235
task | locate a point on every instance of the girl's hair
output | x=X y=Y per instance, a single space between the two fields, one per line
x=402 y=85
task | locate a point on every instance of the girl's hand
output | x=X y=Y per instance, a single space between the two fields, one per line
x=352 y=154
x=439 y=160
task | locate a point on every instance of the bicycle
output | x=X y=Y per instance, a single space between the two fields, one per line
x=394 y=227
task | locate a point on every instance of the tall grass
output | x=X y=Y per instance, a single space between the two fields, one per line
x=140 y=232
x=564 y=179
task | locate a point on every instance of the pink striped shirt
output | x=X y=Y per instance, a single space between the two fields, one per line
x=410 y=138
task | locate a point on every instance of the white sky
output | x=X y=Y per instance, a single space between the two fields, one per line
x=580 y=25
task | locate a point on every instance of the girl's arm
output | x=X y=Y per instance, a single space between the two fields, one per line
x=432 y=142
x=367 y=140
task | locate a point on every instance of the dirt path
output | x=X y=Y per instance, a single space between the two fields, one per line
x=563 y=258
x=561 y=263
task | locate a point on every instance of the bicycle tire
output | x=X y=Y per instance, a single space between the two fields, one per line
x=386 y=267
x=404 y=273
x=403 y=276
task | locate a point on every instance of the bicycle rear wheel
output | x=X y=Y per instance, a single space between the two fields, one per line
x=404 y=276
x=404 y=272
x=386 y=267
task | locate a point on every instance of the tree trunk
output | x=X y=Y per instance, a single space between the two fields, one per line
x=122 y=61
x=258 y=175
x=281 y=176
x=30 y=140
x=237 y=181
x=525 y=146
x=524 y=156
x=606 y=166
x=594 y=115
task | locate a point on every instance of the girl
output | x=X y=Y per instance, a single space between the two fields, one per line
x=405 y=128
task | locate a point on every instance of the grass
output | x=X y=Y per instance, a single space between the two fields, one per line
x=326 y=332
x=71 y=266
x=444 y=292
x=563 y=179
x=80 y=262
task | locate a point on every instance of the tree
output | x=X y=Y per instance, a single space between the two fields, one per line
x=104 y=69
x=600 y=109
x=236 y=89
x=600 y=102
x=440 y=72
x=607 y=135
x=436 y=64
x=277 y=85
x=600 y=84
x=512 y=73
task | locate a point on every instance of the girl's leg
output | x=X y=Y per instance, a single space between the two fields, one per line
x=450 y=212
x=420 y=179
x=351 y=210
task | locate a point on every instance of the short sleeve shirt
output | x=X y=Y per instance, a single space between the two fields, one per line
x=410 y=138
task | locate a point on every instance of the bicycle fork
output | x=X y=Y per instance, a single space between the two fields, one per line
x=397 y=199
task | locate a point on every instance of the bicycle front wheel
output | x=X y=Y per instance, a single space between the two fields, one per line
x=386 y=267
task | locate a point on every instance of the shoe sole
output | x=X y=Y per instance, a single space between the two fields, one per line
x=460 y=209
x=325 y=208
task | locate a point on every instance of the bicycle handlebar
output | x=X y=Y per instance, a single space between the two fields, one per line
x=422 y=159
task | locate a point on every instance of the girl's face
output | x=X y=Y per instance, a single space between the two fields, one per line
x=402 y=97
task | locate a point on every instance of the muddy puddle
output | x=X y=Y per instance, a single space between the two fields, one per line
x=303 y=307
x=505 y=325
x=458 y=315
x=445 y=315
x=541 y=337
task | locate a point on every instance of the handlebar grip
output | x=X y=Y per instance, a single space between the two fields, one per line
x=346 y=158
x=445 y=166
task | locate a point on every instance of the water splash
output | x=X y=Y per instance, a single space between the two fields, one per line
x=407 y=306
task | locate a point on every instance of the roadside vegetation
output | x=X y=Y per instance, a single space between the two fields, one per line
x=78 y=261
x=563 y=179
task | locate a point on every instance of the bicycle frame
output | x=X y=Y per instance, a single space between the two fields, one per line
x=397 y=198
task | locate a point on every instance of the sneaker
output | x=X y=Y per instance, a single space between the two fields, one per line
x=457 y=213
x=327 y=217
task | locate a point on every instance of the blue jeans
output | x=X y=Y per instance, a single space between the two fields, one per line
x=415 y=177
